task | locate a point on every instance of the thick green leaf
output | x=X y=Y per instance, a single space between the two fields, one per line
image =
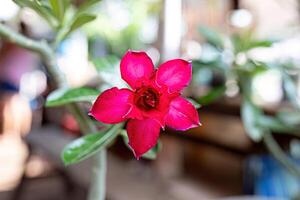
x=88 y=145
x=151 y=154
x=250 y=114
x=58 y=8
x=87 y=5
x=66 y=4
x=65 y=96
x=213 y=95
x=81 y=20
x=212 y=36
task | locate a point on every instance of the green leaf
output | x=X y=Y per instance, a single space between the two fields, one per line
x=81 y=20
x=289 y=117
x=65 y=96
x=66 y=4
x=108 y=69
x=252 y=68
x=216 y=64
x=87 y=5
x=245 y=42
x=40 y=8
x=57 y=8
x=250 y=113
x=108 y=63
x=86 y=146
x=151 y=154
x=259 y=43
x=212 y=36
x=70 y=19
x=195 y=103
x=213 y=95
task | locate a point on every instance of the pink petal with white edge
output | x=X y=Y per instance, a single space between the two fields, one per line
x=175 y=74
x=182 y=115
x=136 y=67
x=143 y=135
x=112 y=106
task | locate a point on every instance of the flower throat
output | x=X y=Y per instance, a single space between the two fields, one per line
x=146 y=98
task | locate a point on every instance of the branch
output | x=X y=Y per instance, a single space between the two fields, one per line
x=40 y=47
x=14 y=37
x=86 y=125
x=48 y=55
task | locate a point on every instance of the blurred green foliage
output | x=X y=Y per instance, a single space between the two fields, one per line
x=227 y=56
x=61 y=15
x=225 y=61
x=119 y=23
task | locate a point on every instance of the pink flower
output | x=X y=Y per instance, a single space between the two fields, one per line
x=153 y=102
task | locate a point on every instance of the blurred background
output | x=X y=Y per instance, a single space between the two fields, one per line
x=232 y=43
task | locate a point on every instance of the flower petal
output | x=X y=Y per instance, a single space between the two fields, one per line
x=175 y=74
x=161 y=109
x=136 y=67
x=182 y=115
x=112 y=106
x=143 y=135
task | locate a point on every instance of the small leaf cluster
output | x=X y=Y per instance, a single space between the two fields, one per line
x=61 y=15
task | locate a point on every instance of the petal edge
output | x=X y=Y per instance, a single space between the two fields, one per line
x=175 y=74
x=143 y=135
x=111 y=106
x=136 y=67
x=182 y=115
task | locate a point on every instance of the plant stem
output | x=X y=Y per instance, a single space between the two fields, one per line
x=48 y=55
x=97 y=189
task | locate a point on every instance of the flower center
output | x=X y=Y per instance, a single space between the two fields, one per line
x=146 y=98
